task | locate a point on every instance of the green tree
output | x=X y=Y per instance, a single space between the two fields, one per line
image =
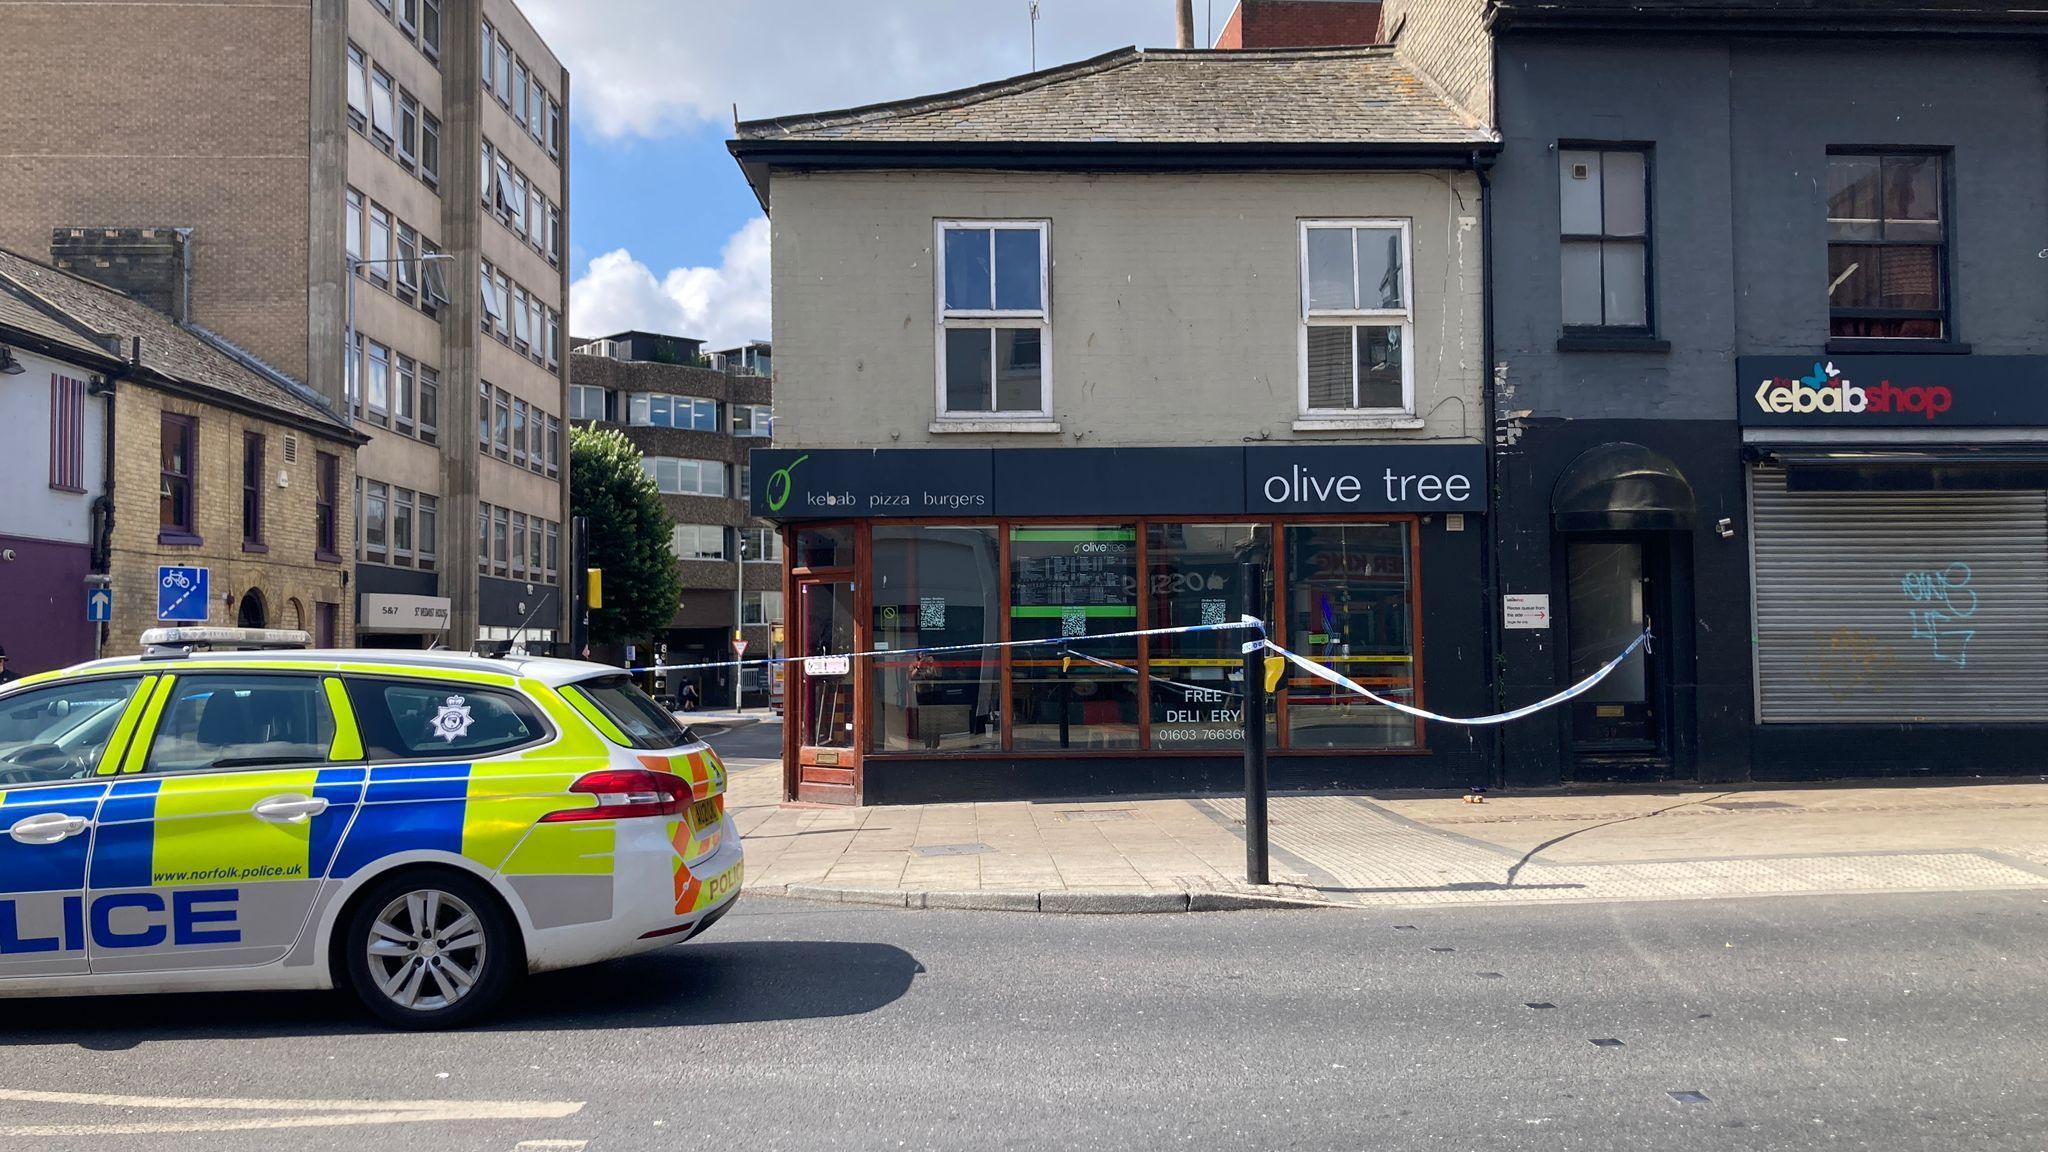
x=629 y=536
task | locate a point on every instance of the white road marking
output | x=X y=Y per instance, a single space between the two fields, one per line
x=538 y=1145
x=303 y=1113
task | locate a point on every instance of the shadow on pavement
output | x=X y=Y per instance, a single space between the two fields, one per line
x=744 y=981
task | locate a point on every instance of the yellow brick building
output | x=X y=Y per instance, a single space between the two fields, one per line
x=216 y=461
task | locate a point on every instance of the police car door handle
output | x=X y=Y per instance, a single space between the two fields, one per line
x=289 y=808
x=48 y=828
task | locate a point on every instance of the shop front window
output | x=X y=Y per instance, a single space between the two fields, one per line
x=825 y=547
x=1350 y=608
x=1196 y=576
x=936 y=587
x=1071 y=583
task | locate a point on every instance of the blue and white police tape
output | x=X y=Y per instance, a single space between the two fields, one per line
x=1156 y=679
x=1345 y=682
x=1242 y=622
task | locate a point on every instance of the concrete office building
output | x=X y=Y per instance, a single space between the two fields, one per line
x=421 y=145
x=1057 y=354
x=694 y=416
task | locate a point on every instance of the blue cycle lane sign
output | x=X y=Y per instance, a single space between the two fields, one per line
x=181 y=594
x=99 y=606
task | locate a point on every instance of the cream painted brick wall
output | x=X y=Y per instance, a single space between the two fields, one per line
x=1176 y=302
x=1447 y=42
x=285 y=573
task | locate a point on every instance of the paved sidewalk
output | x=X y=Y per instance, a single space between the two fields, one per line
x=1177 y=854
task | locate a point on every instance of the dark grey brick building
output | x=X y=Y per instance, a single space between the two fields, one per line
x=1767 y=320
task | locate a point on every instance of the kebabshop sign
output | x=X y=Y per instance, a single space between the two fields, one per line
x=1892 y=391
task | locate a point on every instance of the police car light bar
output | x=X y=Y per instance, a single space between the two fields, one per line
x=182 y=639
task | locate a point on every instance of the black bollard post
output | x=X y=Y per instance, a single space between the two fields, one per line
x=1252 y=710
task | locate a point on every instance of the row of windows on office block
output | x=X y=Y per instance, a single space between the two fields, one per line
x=1347 y=600
x=668 y=410
x=395 y=391
x=520 y=90
x=398 y=526
x=516 y=432
x=714 y=542
x=395 y=256
x=674 y=476
x=516 y=545
x=393 y=119
x=520 y=204
x=518 y=319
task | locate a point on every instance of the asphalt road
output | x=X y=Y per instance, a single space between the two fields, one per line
x=1896 y=1023
x=747 y=746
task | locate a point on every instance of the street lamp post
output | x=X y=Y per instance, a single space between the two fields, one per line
x=739 y=610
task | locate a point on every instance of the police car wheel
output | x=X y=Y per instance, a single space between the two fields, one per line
x=429 y=950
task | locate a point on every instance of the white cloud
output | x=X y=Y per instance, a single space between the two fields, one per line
x=655 y=68
x=651 y=67
x=723 y=306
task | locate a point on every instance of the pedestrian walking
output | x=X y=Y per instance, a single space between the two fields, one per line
x=689 y=696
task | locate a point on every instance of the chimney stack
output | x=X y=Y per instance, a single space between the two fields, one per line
x=151 y=264
x=1184 y=24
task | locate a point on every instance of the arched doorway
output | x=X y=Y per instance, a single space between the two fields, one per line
x=1623 y=517
x=253 y=613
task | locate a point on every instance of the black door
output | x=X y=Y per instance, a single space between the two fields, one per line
x=1611 y=597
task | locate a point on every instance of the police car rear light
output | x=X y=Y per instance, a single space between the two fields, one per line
x=627 y=792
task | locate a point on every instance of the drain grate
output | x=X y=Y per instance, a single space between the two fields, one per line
x=1744 y=805
x=1094 y=815
x=1608 y=1042
x=952 y=849
x=1404 y=927
x=1443 y=949
x=1689 y=1097
x=1541 y=1005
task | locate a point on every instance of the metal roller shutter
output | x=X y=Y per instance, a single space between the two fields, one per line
x=1899 y=607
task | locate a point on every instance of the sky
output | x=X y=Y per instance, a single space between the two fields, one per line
x=664 y=233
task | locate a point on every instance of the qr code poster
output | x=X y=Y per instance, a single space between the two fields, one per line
x=931 y=612
x=1213 y=612
x=1073 y=621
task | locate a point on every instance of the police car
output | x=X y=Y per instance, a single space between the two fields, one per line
x=421 y=827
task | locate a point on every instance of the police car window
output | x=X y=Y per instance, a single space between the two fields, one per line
x=412 y=721
x=242 y=721
x=645 y=723
x=59 y=732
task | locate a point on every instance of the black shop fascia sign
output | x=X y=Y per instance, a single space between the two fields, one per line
x=934 y=483
x=1892 y=391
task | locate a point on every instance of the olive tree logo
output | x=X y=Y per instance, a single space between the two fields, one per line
x=780 y=483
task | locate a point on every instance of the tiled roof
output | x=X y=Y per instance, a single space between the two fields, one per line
x=1134 y=96
x=169 y=349
x=19 y=311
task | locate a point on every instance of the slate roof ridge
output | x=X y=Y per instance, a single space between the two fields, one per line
x=770 y=128
x=205 y=365
x=785 y=126
x=85 y=335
